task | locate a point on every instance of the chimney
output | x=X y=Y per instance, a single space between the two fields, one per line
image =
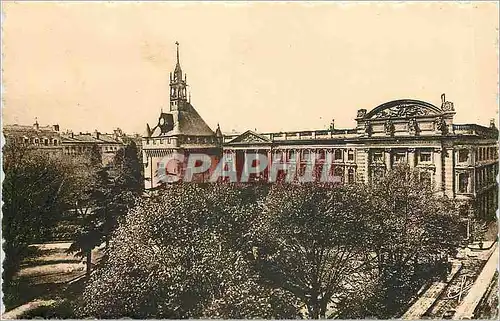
x=56 y=128
x=332 y=124
x=96 y=134
x=492 y=123
x=443 y=98
x=35 y=125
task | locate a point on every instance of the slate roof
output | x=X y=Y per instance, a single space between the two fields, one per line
x=187 y=122
x=89 y=138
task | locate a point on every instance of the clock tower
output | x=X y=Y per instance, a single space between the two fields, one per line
x=178 y=87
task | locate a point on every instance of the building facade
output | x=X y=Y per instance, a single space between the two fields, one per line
x=458 y=160
x=82 y=143
x=47 y=138
x=51 y=140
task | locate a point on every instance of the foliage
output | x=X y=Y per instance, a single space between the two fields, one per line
x=311 y=240
x=414 y=229
x=176 y=256
x=36 y=193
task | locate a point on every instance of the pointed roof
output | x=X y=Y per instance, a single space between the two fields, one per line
x=177 y=69
x=218 y=132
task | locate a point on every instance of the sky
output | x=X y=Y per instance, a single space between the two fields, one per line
x=259 y=66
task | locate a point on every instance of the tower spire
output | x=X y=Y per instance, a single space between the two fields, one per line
x=177 y=44
x=178 y=94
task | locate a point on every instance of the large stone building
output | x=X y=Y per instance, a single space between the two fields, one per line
x=51 y=140
x=459 y=160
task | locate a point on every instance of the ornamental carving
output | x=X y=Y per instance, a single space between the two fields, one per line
x=413 y=128
x=441 y=125
x=368 y=128
x=448 y=106
x=361 y=113
x=402 y=111
x=389 y=127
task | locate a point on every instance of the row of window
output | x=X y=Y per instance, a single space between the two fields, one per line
x=425 y=176
x=299 y=155
x=41 y=142
x=423 y=156
x=486 y=175
x=486 y=153
x=482 y=154
x=82 y=149
x=190 y=140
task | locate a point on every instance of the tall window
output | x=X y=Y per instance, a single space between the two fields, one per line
x=463 y=156
x=463 y=182
x=337 y=155
x=350 y=176
x=350 y=155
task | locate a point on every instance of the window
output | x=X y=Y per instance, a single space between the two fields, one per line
x=338 y=173
x=425 y=157
x=399 y=157
x=378 y=157
x=292 y=156
x=36 y=140
x=463 y=155
x=350 y=176
x=46 y=141
x=463 y=182
x=306 y=156
x=350 y=155
x=337 y=155
x=426 y=177
x=26 y=140
x=321 y=154
x=55 y=142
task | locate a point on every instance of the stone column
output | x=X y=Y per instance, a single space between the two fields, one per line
x=411 y=157
x=448 y=172
x=437 y=158
x=366 y=165
x=388 y=164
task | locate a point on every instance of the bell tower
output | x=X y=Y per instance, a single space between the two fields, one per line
x=177 y=86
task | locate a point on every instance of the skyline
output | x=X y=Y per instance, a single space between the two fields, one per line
x=280 y=67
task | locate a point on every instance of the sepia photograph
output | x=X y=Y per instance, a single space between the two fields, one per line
x=323 y=160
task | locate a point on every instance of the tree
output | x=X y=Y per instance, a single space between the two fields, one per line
x=126 y=185
x=414 y=229
x=311 y=240
x=92 y=205
x=176 y=256
x=36 y=192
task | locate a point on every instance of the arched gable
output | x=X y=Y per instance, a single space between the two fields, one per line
x=403 y=108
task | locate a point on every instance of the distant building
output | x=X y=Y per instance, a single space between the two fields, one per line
x=47 y=138
x=459 y=160
x=51 y=140
x=82 y=143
